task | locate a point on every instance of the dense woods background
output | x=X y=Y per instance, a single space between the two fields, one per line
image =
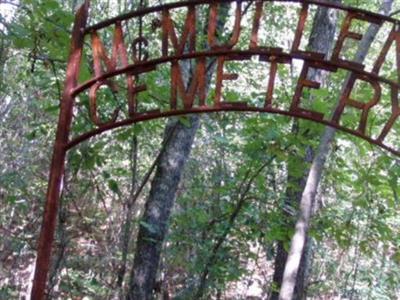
x=227 y=209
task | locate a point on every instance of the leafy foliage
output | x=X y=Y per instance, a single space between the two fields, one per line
x=355 y=233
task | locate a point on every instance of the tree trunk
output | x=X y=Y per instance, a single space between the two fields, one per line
x=321 y=40
x=153 y=225
x=178 y=140
x=293 y=263
x=128 y=207
x=243 y=190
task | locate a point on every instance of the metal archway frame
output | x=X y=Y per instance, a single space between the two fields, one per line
x=174 y=50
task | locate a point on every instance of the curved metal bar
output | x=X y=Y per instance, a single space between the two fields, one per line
x=206 y=109
x=316 y=59
x=139 y=67
x=168 y=6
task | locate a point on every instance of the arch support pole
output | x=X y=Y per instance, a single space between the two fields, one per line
x=54 y=188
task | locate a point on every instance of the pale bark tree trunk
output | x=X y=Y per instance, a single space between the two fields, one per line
x=321 y=40
x=307 y=202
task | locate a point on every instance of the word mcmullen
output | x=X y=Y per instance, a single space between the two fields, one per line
x=178 y=45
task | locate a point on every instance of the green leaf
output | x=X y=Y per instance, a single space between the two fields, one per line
x=11 y=199
x=185 y=121
x=31 y=135
x=53 y=110
x=148 y=226
x=113 y=186
x=51 y=5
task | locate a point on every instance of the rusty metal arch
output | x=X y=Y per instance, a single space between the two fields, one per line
x=72 y=88
x=233 y=106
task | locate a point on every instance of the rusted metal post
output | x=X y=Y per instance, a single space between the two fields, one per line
x=58 y=160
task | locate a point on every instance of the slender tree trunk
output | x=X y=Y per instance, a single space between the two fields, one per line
x=307 y=202
x=129 y=206
x=243 y=190
x=321 y=40
x=62 y=243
